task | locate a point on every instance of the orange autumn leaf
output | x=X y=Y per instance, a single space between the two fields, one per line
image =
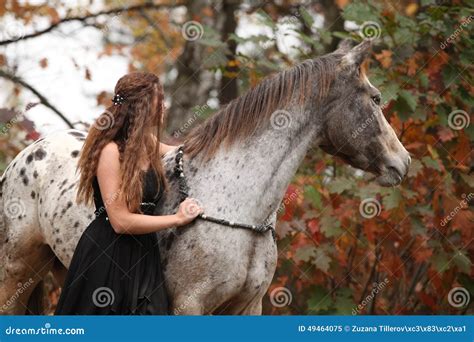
x=411 y=9
x=385 y=58
x=412 y=65
x=436 y=62
x=341 y=3
x=445 y=134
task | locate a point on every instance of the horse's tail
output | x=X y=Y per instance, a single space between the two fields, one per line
x=35 y=304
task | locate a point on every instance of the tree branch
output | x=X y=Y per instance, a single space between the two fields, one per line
x=43 y=100
x=156 y=27
x=133 y=8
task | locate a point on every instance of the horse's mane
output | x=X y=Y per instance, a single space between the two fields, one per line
x=241 y=117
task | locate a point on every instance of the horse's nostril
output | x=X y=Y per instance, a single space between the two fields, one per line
x=397 y=171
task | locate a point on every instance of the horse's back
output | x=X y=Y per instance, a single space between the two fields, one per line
x=38 y=193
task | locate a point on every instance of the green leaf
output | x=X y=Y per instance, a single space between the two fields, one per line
x=408 y=98
x=320 y=301
x=466 y=281
x=424 y=81
x=265 y=19
x=431 y=163
x=417 y=226
x=344 y=302
x=440 y=261
x=322 y=260
x=393 y=199
x=307 y=18
x=389 y=91
x=268 y=64
x=462 y=261
x=339 y=185
x=305 y=253
x=314 y=196
x=330 y=226
x=360 y=12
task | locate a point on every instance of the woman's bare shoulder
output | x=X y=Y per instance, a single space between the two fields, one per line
x=110 y=154
x=166 y=148
x=111 y=147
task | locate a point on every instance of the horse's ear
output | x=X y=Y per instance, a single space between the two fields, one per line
x=344 y=46
x=359 y=53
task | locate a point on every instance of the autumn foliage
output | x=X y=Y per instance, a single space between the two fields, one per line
x=419 y=242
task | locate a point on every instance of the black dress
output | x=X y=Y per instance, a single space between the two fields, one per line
x=116 y=274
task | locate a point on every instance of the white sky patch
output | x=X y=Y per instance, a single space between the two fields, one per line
x=62 y=82
x=285 y=36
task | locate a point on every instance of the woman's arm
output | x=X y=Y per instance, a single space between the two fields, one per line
x=121 y=219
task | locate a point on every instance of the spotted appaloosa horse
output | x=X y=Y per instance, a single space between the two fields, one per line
x=261 y=139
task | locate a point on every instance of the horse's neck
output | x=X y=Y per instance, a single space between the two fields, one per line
x=247 y=181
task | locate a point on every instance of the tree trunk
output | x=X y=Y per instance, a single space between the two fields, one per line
x=228 y=89
x=193 y=83
x=333 y=21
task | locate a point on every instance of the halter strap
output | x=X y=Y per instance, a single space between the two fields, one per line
x=184 y=192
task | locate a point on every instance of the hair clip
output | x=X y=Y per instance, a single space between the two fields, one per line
x=118 y=99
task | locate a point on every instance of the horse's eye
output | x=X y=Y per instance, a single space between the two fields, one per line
x=376 y=99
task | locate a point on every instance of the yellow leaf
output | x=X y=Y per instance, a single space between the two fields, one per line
x=411 y=9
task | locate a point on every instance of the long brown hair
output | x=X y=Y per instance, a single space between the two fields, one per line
x=135 y=125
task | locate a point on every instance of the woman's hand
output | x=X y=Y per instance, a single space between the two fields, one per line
x=188 y=210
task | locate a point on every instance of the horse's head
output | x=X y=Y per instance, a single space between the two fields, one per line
x=355 y=128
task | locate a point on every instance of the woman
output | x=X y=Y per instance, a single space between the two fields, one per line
x=116 y=265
